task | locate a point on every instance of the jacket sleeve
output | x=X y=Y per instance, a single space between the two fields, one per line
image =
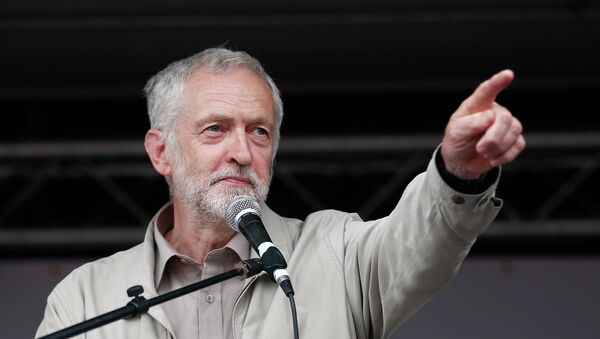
x=393 y=265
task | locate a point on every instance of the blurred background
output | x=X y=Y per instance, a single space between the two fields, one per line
x=367 y=90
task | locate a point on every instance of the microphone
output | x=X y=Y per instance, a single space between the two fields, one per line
x=243 y=215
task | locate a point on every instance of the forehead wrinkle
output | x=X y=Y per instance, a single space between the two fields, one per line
x=245 y=104
x=241 y=96
x=245 y=100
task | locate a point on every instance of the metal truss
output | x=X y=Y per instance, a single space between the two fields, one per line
x=78 y=194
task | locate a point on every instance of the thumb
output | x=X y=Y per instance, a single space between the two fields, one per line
x=473 y=124
x=486 y=93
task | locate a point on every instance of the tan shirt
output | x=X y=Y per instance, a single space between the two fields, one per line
x=205 y=313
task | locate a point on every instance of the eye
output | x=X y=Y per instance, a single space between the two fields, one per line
x=261 y=131
x=214 y=129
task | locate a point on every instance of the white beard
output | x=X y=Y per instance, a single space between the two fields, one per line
x=208 y=196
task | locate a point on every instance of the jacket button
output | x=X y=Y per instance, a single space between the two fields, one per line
x=209 y=298
x=458 y=199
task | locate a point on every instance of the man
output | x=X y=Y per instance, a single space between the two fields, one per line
x=215 y=121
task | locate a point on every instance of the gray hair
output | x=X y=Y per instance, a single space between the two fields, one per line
x=164 y=91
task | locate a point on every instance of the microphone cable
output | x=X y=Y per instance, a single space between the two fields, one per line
x=294 y=315
x=286 y=286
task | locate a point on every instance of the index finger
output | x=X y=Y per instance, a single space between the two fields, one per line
x=485 y=95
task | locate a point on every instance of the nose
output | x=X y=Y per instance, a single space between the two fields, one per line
x=239 y=150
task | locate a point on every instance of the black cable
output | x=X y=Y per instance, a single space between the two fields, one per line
x=294 y=315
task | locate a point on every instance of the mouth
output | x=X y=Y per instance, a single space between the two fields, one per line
x=236 y=181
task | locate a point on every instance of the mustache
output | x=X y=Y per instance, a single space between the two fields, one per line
x=246 y=173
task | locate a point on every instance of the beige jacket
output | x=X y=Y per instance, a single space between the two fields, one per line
x=353 y=279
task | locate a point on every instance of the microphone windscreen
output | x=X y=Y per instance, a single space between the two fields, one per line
x=240 y=205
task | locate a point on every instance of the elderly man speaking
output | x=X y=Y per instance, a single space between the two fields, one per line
x=215 y=119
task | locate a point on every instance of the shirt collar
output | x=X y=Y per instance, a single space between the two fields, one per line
x=164 y=250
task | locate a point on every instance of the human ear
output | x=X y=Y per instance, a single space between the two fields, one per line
x=157 y=152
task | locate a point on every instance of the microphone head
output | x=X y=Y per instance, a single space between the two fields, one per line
x=239 y=206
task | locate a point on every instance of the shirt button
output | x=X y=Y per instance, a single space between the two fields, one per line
x=458 y=199
x=209 y=298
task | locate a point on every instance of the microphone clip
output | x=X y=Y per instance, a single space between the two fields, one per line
x=272 y=261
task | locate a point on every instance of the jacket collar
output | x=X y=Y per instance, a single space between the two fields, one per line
x=277 y=231
x=143 y=272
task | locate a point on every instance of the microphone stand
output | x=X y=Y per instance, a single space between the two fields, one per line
x=139 y=304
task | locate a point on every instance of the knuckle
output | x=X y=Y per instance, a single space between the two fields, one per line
x=505 y=116
x=491 y=145
x=452 y=133
x=508 y=157
x=465 y=103
x=516 y=128
x=498 y=107
x=521 y=143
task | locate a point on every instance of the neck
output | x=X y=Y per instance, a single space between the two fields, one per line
x=196 y=234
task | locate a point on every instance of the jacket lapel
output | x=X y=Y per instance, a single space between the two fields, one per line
x=277 y=230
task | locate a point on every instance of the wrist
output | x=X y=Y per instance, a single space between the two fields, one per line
x=478 y=184
x=461 y=173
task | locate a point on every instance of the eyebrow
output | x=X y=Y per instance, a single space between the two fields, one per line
x=223 y=117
